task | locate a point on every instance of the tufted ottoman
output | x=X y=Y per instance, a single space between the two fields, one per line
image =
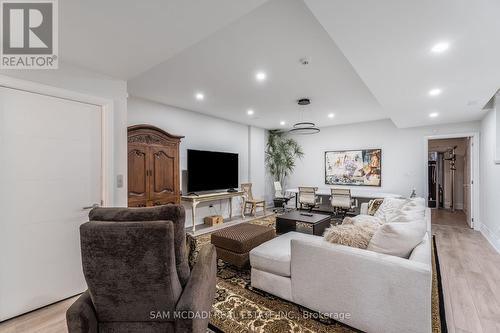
x=234 y=243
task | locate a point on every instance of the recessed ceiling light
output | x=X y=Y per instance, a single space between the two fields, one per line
x=331 y=115
x=435 y=92
x=260 y=76
x=199 y=96
x=282 y=123
x=440 y=47
x=250 y=112
x=433 y=114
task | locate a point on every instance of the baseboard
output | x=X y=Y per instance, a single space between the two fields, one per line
x=493 y=239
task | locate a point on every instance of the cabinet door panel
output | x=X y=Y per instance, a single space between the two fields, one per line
x=170 y=199
x=164 y=172
x=137 y=172
x=139 y=203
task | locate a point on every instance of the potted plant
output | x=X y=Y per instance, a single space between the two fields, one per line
x=281 y=154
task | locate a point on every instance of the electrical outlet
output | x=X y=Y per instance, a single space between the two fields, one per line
x=119 y=181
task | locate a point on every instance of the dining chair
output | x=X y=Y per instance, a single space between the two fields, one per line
x=250 y=201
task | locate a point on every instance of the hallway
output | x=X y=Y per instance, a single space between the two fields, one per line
x=448 y=218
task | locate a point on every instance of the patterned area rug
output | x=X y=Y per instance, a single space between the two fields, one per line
x=238 y=308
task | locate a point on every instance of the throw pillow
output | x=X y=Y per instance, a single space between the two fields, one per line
x=389 y=207
x=374 y=205
x=362 y=219
x=406 y=216
x=350 y=235
x=398 y=239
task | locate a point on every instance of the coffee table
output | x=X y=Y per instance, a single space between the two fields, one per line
x=303 y=221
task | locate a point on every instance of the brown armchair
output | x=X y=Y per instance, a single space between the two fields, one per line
x=135 y=264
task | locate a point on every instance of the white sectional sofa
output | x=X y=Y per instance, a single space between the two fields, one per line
x=370 y=291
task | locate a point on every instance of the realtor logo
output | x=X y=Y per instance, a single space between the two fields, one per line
x=29 y=34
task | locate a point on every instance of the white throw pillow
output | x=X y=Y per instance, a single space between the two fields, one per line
x=398 y=239
x=389 y=207
x=414 y=204
x=406 y=216
x=363 y=219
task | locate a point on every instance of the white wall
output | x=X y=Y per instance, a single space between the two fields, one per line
x=490 y=179
x=403 y=158
x=82 y=81
x=257 y=170
x=207 y=133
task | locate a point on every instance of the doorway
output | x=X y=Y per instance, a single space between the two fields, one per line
x=51 y=174
x=450 y=179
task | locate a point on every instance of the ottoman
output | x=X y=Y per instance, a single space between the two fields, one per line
x=234 y=243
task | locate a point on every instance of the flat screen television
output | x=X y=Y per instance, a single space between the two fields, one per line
x=210 y=170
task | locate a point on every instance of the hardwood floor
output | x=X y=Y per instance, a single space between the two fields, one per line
x=470 y=270
x=470 y=273
x=50 y=319
x=448 y=218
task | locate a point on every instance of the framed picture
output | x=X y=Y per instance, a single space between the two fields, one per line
x=354 y=167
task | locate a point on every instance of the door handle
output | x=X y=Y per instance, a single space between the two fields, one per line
x=90 y=207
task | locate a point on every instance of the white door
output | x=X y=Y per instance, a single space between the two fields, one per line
x=50 y=168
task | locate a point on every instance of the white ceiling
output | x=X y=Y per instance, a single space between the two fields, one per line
x=388 y=43
x=125 y=38
x=272 y=38
x=369 y=59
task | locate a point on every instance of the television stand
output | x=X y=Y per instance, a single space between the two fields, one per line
x=195 y=199
x=231 y=190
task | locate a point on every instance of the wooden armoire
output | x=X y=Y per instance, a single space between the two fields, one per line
x=153 y=167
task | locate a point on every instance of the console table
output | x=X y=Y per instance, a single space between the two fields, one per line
x=196 y=199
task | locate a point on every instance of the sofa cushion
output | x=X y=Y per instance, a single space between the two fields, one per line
x=351 y=234
x=274 y=256
x=398 y=239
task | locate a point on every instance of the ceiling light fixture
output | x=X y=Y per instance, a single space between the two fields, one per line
x=304 y=127
x=435 y=92
x=282 y=123
x=199 y=96
x=250 y=112
x=260 y=76
x=433 y=114
x=440 y=47
x=331 y=115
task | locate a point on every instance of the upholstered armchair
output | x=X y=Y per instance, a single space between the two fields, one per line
x=135 y=264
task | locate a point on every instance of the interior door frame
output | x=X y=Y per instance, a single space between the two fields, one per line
x=106 y=105
x=474 y=176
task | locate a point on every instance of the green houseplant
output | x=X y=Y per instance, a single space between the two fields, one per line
x=281 y=154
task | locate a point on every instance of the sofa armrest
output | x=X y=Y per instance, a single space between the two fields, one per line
x=81 y=316
x=363 y=210
x=380 y=293
x=199 y=293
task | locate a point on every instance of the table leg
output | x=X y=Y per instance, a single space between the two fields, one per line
x=193 y=214
x=230 y=208
x=243 y=207
x=296 y=200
